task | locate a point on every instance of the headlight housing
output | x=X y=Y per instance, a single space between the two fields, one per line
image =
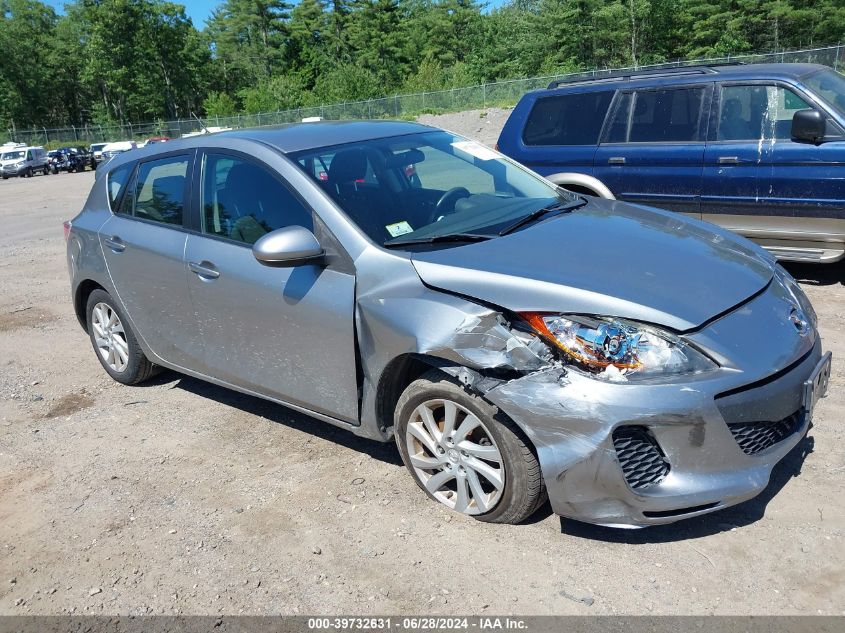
x=616 y=349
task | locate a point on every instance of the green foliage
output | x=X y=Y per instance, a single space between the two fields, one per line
x=110 y=62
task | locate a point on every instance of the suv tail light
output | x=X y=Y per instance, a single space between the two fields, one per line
x=67 y=224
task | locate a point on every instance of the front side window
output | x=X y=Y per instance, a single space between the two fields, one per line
x=751 y=113
x=830 y=86
x=243 y=201
x=573 y=119
x=428 y=187
x=160 y=190
x=670 y=116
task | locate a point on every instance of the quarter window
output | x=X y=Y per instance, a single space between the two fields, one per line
x=243 y=201
x=160 y=190
x=117 y=180
x=671 y=115
x=573 y=119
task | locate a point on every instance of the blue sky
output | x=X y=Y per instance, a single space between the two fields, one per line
x=200 y=10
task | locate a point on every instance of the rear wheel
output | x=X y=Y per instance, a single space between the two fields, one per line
x=465 y=453
x=114 y=341
x=46 y=170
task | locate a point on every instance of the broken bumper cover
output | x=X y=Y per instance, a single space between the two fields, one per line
x=708 y=435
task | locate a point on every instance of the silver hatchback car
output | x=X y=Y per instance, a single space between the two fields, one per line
x=517 y=341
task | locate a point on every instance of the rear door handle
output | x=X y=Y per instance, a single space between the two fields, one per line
x=616 y=160
x=115 y=243
x=206 y=270
x=729 y=160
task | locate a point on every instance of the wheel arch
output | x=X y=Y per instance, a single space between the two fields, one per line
x=397 y=375
x=80 y=299
x=582 y=183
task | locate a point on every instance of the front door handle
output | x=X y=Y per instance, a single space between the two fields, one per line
x=616 y=160
x=115 y=243
x=206 y=270
x=729 y=160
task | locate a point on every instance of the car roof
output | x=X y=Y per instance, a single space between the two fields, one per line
x=296 y=137
x=685 y=75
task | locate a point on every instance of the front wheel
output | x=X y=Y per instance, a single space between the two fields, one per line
x=114 y=341
x=465 y=453
x=28 y=172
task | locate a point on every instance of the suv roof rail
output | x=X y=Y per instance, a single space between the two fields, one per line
x=629 y=74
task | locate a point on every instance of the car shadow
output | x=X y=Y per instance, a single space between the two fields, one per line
x=725 y=520
x=383 y=451
x=817 y=274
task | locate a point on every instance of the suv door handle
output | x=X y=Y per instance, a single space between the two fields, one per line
x=115 y=243
x=616 y=160
x=206 y=270
x=729 y=160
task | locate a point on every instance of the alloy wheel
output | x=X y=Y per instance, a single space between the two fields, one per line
x=110 y=337
x=455 y=457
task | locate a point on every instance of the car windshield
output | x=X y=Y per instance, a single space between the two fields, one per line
x=830 y=86
x=12 y=155
x=431 y=187
x=97 y=148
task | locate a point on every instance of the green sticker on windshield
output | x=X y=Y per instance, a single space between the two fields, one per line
x=400 y=228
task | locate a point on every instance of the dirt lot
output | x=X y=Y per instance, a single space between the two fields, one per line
x=181 y=497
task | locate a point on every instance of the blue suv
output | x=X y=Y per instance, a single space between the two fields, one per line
x=758 y=149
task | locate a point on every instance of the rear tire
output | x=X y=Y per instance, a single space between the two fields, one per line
x=114 y=341
x=496 y=451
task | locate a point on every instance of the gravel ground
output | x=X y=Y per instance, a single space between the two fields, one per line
x=182 y=497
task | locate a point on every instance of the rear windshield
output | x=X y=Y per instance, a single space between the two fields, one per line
x=573 y=119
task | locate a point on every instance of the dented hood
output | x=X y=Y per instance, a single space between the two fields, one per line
x=607 y=258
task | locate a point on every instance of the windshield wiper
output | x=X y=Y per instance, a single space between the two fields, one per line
x=557 y=207
x=449 y=237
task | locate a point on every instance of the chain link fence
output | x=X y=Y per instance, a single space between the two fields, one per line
x=500 y=93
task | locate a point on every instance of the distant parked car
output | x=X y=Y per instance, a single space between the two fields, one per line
x=110 y=150
x=70 y=159
x=96 y=150
x=755 y=148
x=23 y=161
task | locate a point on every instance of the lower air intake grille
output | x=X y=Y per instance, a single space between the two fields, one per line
x=642 y=461
x=755 y=437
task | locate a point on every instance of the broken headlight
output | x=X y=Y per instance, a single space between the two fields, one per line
x=616 y=349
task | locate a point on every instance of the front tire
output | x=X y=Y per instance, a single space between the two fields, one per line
x=114 y=341
x=465 y=453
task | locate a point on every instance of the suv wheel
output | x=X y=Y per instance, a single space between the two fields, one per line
x=465 y=453
x=114 y=341
x=28 y=172
x=46 y=170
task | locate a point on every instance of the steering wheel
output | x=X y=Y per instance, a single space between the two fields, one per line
x=447 y=201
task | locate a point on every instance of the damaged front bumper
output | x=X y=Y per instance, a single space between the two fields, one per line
x=582 y=430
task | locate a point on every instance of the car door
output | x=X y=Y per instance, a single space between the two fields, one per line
x=143 y=244
x=802 y=186
x=653 y=147
x=733 y=191
x=287 y=333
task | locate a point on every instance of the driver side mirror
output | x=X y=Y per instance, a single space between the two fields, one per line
x=808 y=125
x=288 y=246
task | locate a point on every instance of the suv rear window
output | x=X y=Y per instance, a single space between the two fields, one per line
x=573 y=119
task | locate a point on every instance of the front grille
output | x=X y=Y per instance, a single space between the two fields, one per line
x=639 y=454
x=755 y=437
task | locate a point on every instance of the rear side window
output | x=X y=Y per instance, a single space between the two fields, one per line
x=671 y=115
x=117 y=180
x=574 y=119
x=160 y=190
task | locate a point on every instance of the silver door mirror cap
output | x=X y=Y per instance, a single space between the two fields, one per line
x=288 y=246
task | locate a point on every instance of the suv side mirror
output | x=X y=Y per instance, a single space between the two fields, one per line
x=808 y=125
x=288 y=246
